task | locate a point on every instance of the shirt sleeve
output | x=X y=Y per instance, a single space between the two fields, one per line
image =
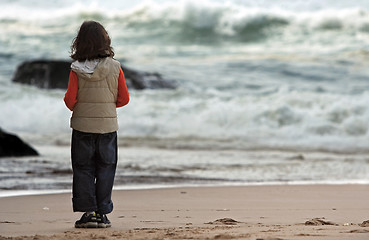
x=70 y=97
x=123 y=95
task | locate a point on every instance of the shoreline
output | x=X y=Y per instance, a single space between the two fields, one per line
x=40 y=192
x=181 y=168
x=259 y=212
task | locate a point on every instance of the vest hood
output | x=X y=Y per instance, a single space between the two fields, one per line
x=93 y=70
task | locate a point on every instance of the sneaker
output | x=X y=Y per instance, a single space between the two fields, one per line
x=102 y=221
x=88 y=220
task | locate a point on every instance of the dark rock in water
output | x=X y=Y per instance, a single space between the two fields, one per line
x=11 y=145
x=55 y=74
x=145 y=80
x=43 y=74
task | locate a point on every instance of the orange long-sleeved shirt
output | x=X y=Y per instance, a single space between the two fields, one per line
x=70 y=97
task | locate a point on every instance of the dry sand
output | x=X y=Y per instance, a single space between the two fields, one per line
x=250 y=212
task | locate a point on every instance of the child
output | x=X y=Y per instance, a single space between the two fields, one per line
x=96 y=88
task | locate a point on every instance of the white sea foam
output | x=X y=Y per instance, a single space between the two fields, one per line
x=285 y=119
x=279 y=120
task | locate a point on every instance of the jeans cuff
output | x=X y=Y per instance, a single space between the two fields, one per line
x=84 y=204
x=106 y=208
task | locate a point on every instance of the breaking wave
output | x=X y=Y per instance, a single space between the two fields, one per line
x=204 y=21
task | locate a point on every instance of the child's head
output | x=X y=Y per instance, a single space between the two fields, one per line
x=92 y=42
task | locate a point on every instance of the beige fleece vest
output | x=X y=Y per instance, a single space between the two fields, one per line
x=95 y=110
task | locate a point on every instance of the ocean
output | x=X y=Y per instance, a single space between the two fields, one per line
x=269 y=92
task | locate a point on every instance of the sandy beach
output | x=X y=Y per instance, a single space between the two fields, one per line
x=240 y=212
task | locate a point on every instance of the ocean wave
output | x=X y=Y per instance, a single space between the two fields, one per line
x=200 y=21
x=191 y=20
x=286 y=118
x=194 y=21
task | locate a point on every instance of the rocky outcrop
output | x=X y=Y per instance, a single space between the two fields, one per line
x=43 y=74
x=145 y=80
x=12 y=146
x=51 y=74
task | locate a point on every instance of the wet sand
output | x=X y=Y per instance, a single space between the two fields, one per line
x=245 y=212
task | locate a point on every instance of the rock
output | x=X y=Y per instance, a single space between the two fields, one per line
x=145 y=80
x=43 y=74
x=12 y=146
x=318 y=222
x=270 y=238
x=225 y=221
x=52 y=74
x=365 y=224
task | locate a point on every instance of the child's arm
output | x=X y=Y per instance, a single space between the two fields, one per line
x=70 y=97
x=123 y=95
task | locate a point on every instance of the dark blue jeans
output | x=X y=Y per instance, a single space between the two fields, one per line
x=94 y=161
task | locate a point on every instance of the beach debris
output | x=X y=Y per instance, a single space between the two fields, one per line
x=318 y=222
x=223 y=236
x=225 y=221
x=270 y=238
x=348 y=224
x=364 y=224
x=308 y=235
x=169 y=233
x=359 y=231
